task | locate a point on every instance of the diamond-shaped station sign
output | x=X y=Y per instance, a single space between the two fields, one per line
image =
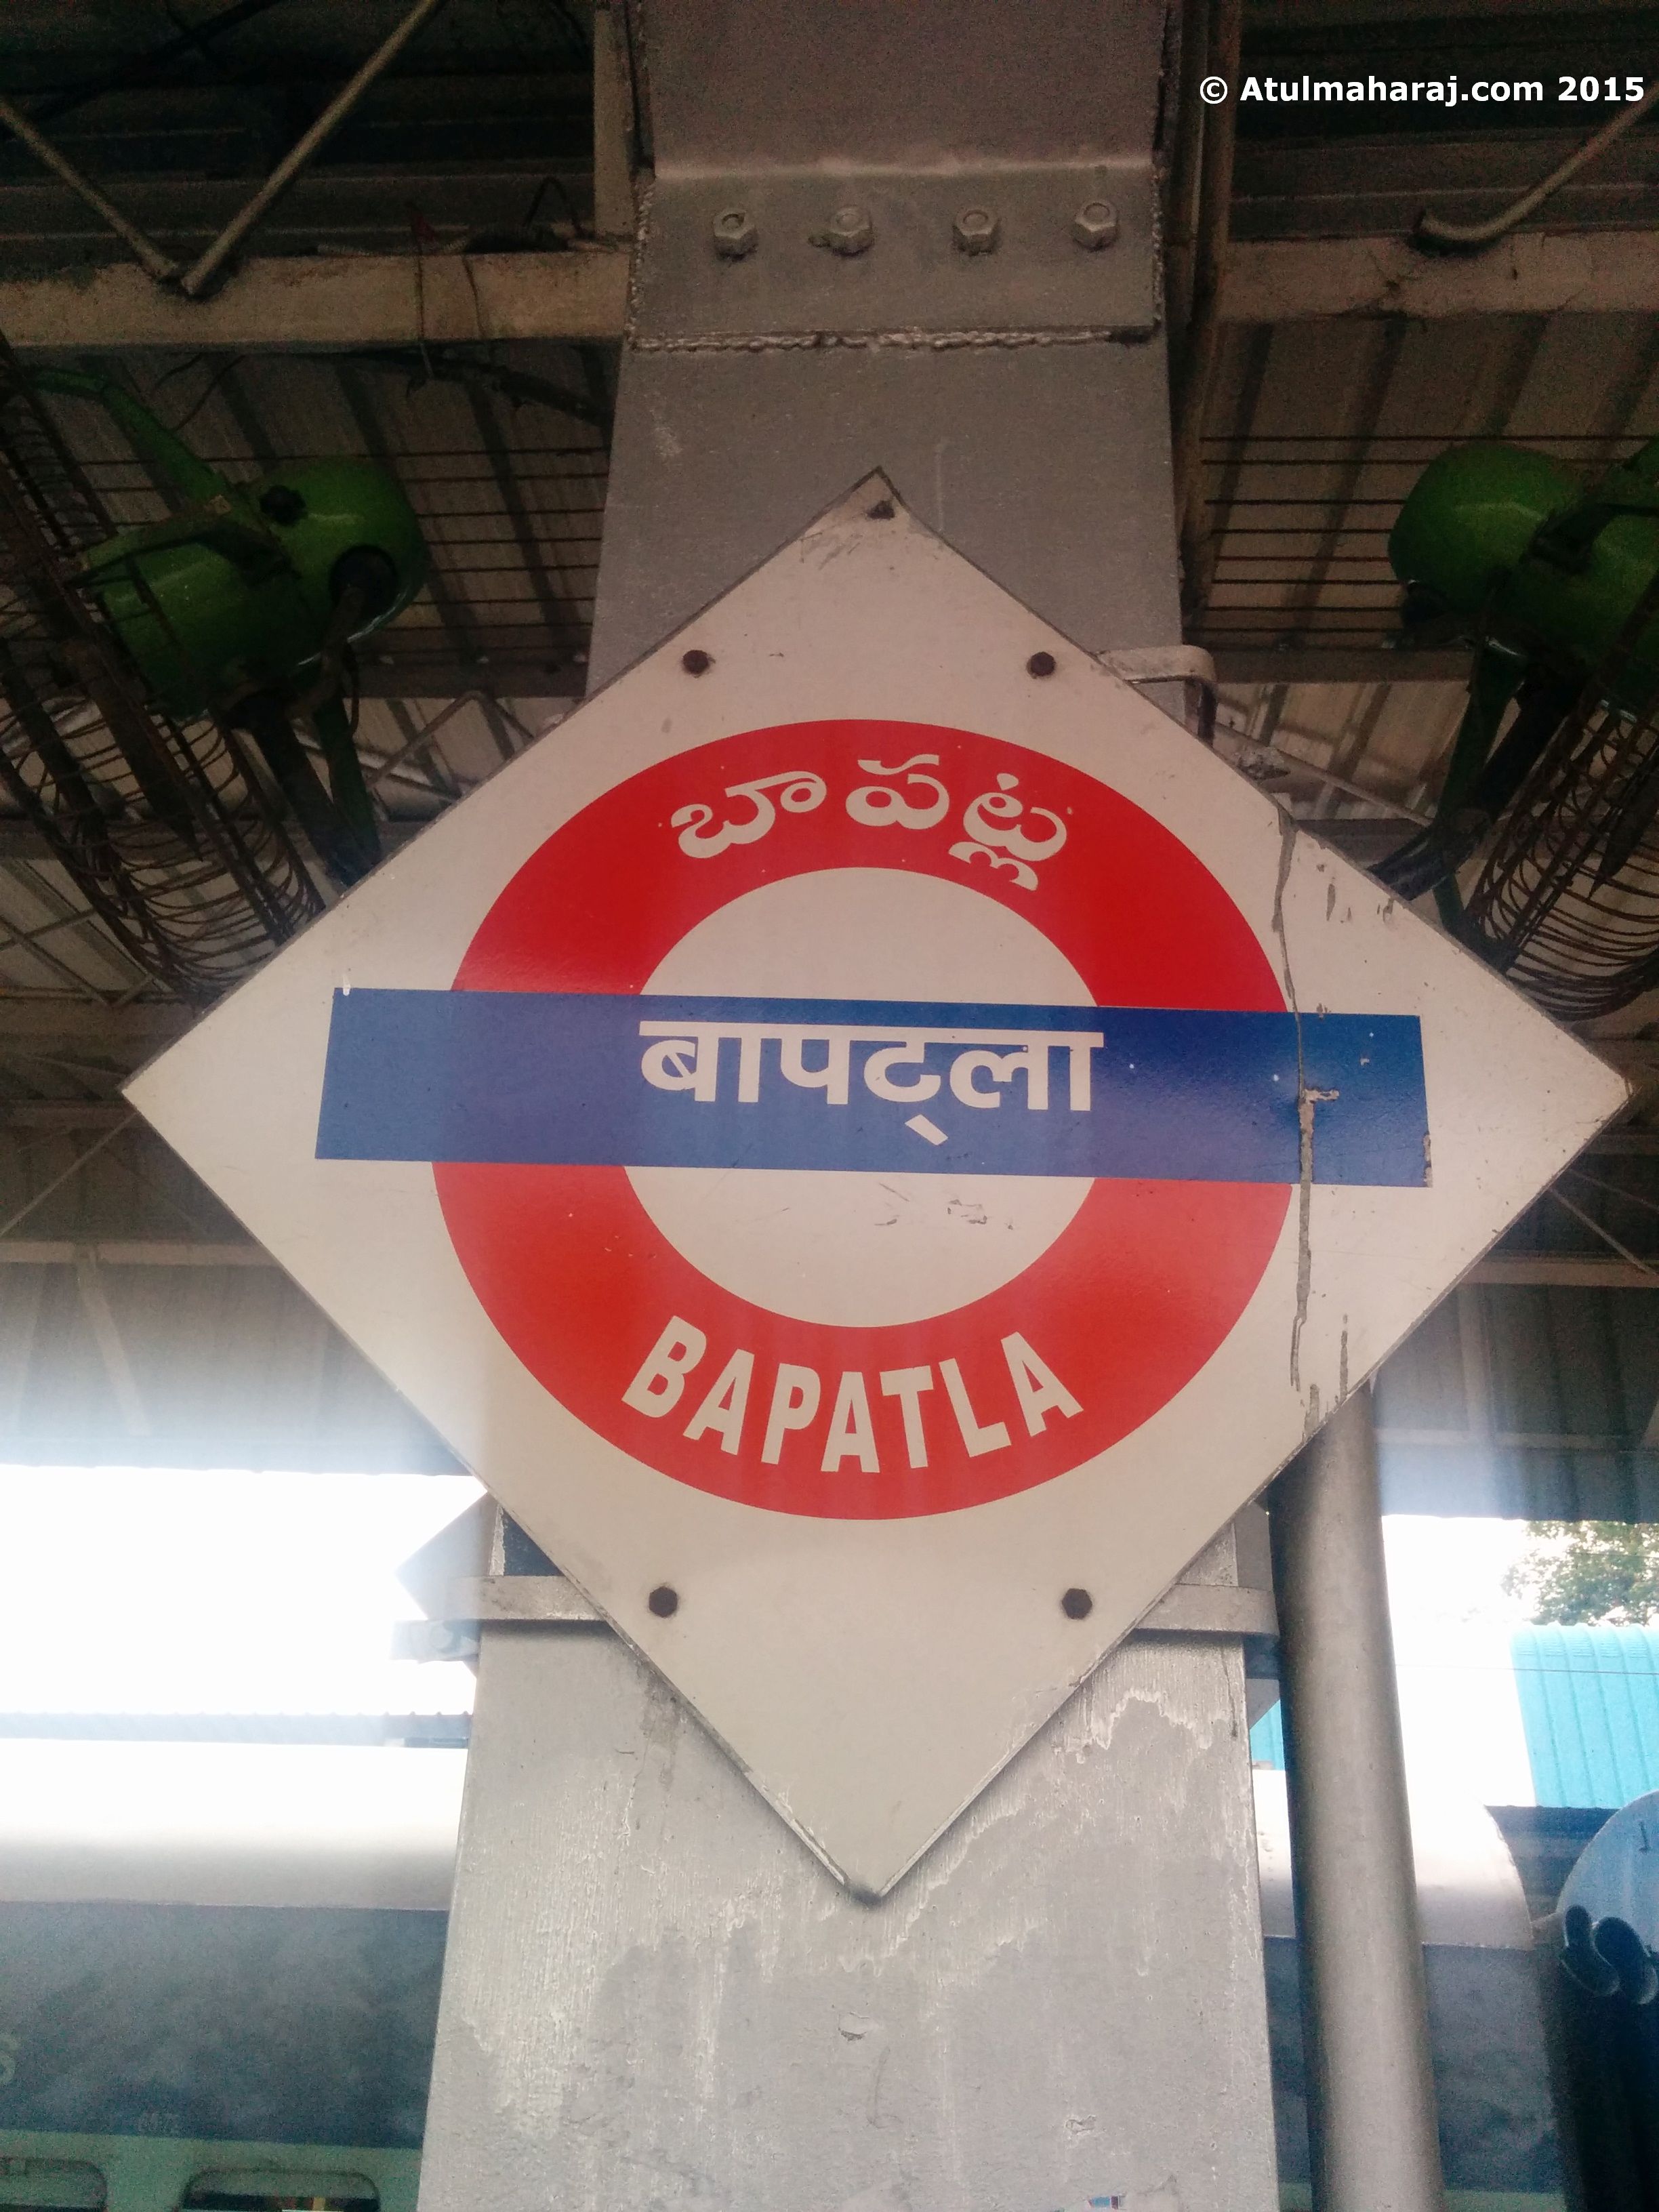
x=865 y=1133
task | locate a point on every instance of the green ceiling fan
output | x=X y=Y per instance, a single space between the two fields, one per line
x=1543 y=852
x=172 y=696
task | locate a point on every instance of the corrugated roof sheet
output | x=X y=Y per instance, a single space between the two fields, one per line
x=1589 y=1701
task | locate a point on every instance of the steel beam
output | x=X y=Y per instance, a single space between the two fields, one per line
x=131 y=1252
x=1289 y=663
x=287 y=304
x=25 y=841
x=1565 y=1271
x=1189 y=1608
x=1013 y=453
x=127 y=1034
x=1533 y=273
x=58 y=1115
x=405 y=670
x=1628 y=1143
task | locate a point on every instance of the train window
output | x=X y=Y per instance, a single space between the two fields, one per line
x=279 y=2189
x=51 y=2185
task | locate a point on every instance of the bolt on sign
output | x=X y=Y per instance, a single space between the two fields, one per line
x=874 y=1144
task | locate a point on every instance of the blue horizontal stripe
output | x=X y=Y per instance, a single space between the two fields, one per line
x=545 y=1077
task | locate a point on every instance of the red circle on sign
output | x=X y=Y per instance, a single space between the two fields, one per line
x=1121 y=1310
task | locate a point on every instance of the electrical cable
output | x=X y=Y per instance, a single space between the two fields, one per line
x=1431 y=229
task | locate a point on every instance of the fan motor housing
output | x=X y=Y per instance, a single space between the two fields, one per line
x=206 y=626
x=1468 y=536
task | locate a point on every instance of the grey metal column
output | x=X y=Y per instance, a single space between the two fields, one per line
x=1371 y=2091
x=654 y=1997
x=1017 y=398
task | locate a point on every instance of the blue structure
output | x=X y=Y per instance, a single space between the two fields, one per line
x=1590 y=1703
x=1267 y=1738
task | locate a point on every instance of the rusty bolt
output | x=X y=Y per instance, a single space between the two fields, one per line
x=849 y=231
x=1040 y=664
x=664 y=1601
x=735 y=234
x=1095 y=224
x=976 y=230
x=697 y=662
x=1077 y=1605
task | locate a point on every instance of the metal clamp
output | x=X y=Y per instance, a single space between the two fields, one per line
x=476 y=1602
x=1172 y=664
x=1161 y=664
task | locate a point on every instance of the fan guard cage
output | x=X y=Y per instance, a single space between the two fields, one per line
x=1541 y=912
x=162 y=823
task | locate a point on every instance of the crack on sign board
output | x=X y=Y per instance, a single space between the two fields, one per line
x=1311 y=1415
x=1307 y=1099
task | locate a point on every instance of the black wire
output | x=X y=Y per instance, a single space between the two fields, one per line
x=178 y=368
x=440 y=364
x=207 y=390
x=534 y=208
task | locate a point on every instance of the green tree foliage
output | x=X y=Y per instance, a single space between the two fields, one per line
x=1588 y=1572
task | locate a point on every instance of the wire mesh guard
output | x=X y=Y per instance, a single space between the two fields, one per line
x=162 y=823
x=1567 y=901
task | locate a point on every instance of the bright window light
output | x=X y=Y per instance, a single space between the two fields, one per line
x=1460 y=1708
x=166 y=1591
x=1452 y=1620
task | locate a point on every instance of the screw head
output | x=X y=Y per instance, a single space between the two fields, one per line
x=735 y=234
x=976 y=230
x=697 y=662
x=664 y=1601
x=1095 y=225
x=881 y=511
x=849 y=231
x=1040 y=664
x=1076 y=1604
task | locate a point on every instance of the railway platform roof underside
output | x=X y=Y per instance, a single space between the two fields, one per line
x=443 y=288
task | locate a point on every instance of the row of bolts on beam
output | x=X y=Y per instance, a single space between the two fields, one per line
x=850 y=231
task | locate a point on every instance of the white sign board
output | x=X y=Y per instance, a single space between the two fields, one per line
x=874 y=1144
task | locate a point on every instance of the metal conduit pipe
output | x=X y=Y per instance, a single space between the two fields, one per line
x=1373 y=2139
x=149 y=256
x=1432 y=230
x=194 y=280
x=201 y=272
